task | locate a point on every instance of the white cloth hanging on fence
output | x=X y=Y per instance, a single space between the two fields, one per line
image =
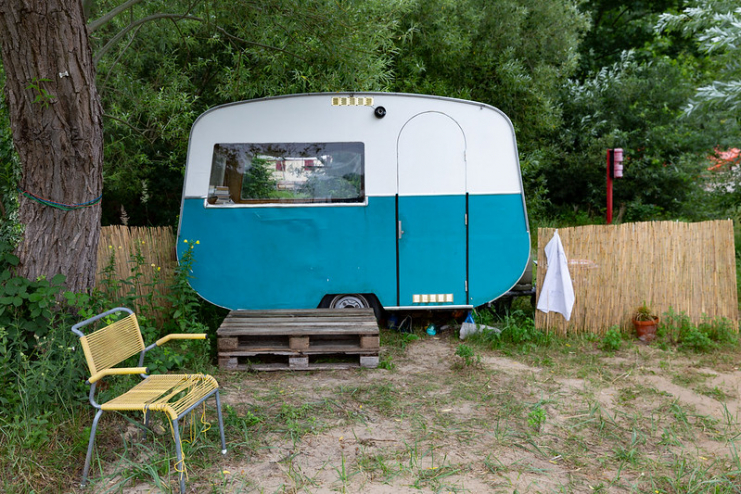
x=557 y=293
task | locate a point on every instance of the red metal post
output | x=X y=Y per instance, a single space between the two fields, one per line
x=609 y=186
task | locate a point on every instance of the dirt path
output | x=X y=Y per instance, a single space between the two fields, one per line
x=608 y=424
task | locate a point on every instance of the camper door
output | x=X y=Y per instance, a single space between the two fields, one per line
x=431 y=211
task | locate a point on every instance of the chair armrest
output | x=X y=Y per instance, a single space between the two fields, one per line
x=180 y=336
x=116 y=372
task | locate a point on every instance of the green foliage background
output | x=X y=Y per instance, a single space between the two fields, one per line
x=574 y=78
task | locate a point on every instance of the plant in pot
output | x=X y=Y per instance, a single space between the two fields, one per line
x=645 y=323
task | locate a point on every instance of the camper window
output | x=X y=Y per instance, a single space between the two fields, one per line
x=294 y=173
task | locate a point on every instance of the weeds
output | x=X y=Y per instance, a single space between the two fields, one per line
x=467 y=356
x=613 y=340
x=677 y=329
x=517 y=331
x=536 y=418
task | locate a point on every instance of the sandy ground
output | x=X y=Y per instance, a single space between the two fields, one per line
x=442 y=429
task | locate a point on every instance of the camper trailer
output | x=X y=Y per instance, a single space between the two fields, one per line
x=382 y=200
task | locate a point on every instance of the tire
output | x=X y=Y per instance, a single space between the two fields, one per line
x=349 y=301
x=353 y=301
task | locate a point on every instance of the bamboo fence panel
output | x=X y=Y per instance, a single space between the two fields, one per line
x=688 y=267
x=141 y=257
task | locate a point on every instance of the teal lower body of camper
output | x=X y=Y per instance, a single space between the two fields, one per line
x=469 y=249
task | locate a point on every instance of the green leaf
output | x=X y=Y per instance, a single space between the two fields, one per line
x=17 y=301
x=58 y=279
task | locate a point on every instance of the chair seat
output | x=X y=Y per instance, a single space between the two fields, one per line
x=173 y=394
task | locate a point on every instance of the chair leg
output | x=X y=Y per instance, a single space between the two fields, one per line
x=147 y=424
x=221 y=423
x=93 y=429
x=179 y=451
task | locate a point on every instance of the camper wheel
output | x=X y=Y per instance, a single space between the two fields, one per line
x=353 y=301
x=349 y=301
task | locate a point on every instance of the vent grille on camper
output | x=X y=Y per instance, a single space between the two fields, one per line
x=351 y=101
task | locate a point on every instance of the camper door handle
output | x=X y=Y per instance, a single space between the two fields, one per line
x=400 y=232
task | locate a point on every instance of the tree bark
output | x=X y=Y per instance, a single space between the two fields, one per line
x=56 y=119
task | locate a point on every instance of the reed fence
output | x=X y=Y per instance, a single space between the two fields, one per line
x=132 y=260
x=689 y=267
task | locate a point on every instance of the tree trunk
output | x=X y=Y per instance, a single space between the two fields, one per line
x=56 y=119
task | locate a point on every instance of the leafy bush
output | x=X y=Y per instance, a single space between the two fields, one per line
x=41 y=365
x=677 y=329
x=37 y=351
x=517 y=328
x=613 y=340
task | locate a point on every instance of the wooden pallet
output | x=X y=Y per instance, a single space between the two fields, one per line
x=298 y=340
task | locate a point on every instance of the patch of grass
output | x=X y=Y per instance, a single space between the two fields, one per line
x=715 y=392
x=386 y=362
x=468 y=357
x=689 y=378
x=397 y=341
x=536 y=418
x=518 y=332
x=383 y=397
x=630 y=393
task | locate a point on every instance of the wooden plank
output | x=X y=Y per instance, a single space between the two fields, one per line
x=298 y=342
x=293 y=331
x=293 y=321
x=227 y=343
x=370 y=342
x=228 y=363
x=302 y=313
x=290 y=322
x=324 y=350
x=295 y=364
x=274 y=367
x=335 y=317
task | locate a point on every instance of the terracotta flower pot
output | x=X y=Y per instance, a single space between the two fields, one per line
x=646 y=330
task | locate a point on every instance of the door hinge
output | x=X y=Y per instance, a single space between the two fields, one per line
x=465 y=219
x=399 y=231
x=466 y=286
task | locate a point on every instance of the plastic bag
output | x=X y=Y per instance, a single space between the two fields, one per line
x=468 y=327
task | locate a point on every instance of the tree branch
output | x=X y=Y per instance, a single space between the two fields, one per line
x=268 y=47
x=101 y=21
x=133 y=25
x=115 y=62
x=127 y=124
x=177 y=17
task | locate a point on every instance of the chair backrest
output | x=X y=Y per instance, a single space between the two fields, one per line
x=112 y=344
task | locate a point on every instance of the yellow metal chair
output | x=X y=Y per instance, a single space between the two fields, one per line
x=173 y=394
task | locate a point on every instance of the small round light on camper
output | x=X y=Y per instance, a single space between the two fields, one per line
x=380 y=112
